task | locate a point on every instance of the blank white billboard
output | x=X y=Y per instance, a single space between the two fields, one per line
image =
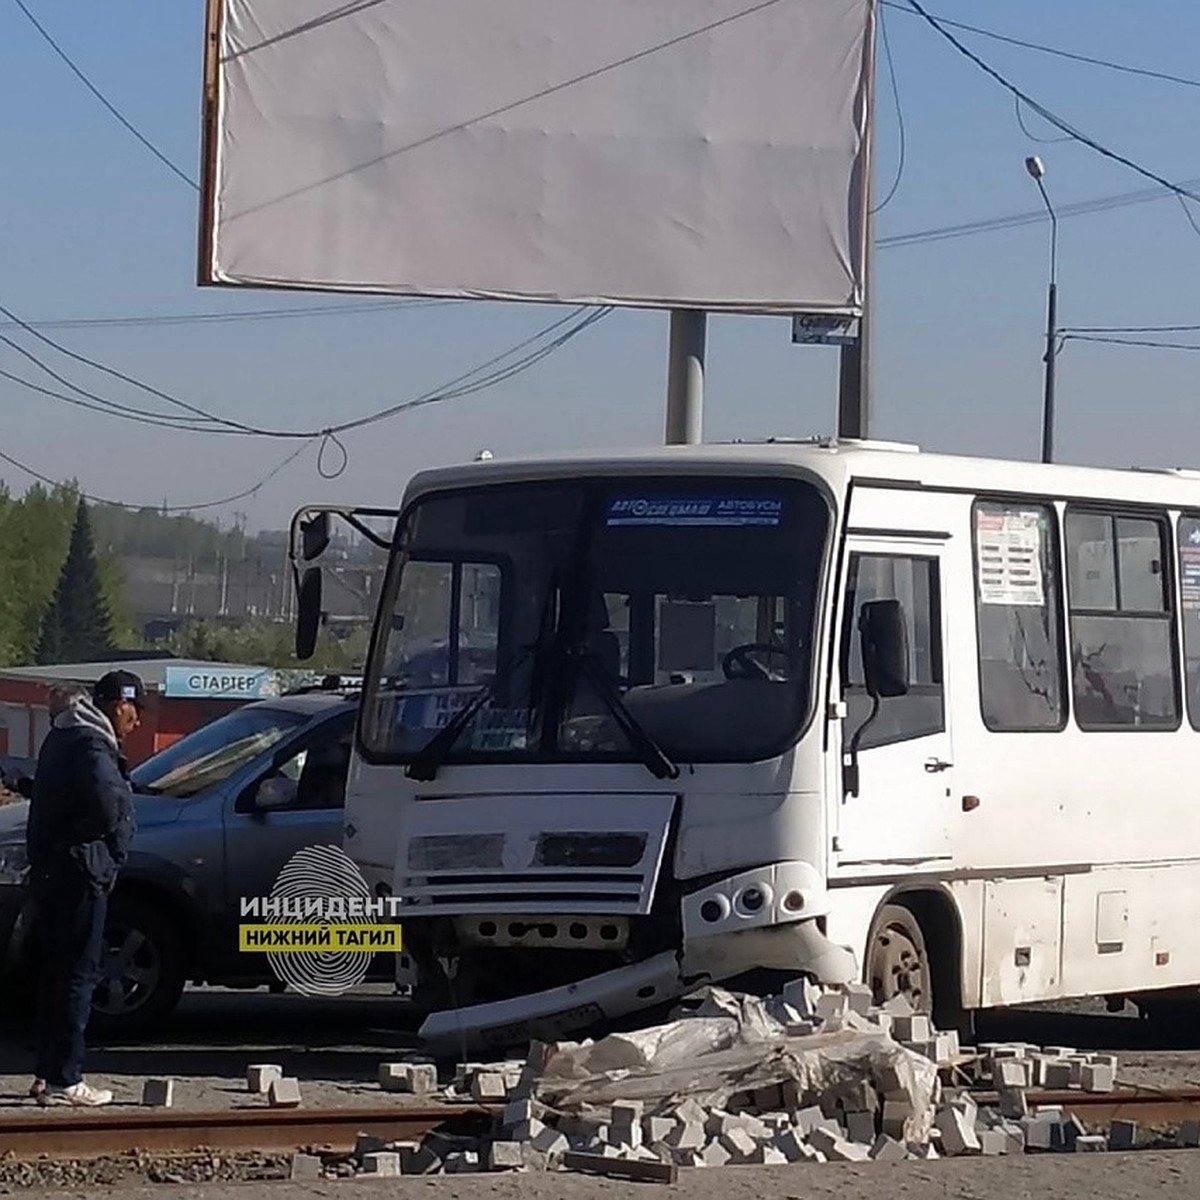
x=674 y=153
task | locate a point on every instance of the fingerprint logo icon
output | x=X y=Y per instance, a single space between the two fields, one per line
x=316 y=883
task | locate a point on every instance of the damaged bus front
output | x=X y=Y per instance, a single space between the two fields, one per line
x=588 y=763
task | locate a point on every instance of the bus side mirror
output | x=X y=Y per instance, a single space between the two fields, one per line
x=315 y=536
x=884 y=632
x=308 y=613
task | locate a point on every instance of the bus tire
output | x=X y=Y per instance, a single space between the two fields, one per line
x=898 y=959
x=913 y=951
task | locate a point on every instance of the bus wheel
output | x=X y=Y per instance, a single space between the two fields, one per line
x=897 y=960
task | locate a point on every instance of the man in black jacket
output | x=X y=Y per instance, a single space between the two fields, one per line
x=80 y=825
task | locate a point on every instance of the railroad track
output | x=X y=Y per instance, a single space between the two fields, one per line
x=58 y=1134
x=1148 y=1106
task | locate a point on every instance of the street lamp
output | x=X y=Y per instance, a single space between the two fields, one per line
x=1037 y=170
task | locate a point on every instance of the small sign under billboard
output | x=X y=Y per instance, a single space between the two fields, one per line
x=824 y=329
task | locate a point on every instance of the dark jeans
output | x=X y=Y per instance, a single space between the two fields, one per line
x=70 y=920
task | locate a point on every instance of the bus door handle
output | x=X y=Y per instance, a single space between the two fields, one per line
x=934 y=765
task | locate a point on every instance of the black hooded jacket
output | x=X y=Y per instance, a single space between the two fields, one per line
x=81 y=811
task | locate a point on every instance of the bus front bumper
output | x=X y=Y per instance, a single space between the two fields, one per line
x=723 y=937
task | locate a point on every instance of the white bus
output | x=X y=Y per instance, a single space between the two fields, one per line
x=635 y=723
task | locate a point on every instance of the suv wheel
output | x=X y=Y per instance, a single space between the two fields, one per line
x=141 y=968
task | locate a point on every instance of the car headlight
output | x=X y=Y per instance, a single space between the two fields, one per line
x=14 y=862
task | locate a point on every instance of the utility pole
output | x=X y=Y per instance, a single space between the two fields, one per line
x=685 y=377
x=855 y=377
x=1037 y=171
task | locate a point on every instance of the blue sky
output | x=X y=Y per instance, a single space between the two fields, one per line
x=94 y=226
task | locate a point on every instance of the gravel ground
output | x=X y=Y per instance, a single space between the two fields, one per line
x=1143 y=1176
x=132 y=1169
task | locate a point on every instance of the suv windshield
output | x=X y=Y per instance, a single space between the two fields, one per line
x=213 y=753
x=608 y=618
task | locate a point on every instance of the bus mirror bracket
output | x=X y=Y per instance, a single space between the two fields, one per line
x=315 y=535
x=308 y=614
x=883 y=630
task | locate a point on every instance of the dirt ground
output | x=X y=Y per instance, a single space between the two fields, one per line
x=335 y=1048
x=1142 y=1176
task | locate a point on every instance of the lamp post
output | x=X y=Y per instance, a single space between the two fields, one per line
x=1037 y=171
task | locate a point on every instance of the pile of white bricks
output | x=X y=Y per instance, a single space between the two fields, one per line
x=866 y=1119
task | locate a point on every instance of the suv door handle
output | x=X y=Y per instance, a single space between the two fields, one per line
x=934 y=765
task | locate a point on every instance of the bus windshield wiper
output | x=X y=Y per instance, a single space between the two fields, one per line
x=653 y=755
x=424 y=766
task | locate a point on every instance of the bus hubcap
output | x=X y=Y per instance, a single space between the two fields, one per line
x=898 y=969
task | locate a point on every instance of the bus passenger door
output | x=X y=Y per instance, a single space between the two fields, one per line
x=894 y=809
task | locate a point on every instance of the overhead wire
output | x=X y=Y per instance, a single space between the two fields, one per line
x=104 y=100
x=1057 y=52
x=1034 y=137
x=41 y=477
x=1046 y=113
x=216 y=424
x=1028 y=217
x=1130 y=328
x=137 y=320
x=901 y=134
x=1146 y=343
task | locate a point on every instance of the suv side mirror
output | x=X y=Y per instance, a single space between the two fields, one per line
x=308 y=613
x=884 y=632
x=275 y=792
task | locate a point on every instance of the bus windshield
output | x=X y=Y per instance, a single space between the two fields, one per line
x=608 y=619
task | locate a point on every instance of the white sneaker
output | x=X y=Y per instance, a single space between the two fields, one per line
x=78 y=1095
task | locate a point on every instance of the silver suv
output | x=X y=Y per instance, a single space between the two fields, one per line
x=219 y=814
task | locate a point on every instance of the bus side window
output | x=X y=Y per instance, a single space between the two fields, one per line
x=1122 y=631
x=1017 y=602
x=1189 y=582
x=914 y=582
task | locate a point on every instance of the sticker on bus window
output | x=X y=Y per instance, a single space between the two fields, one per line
x=1009 y=550
x=705 y=511
x=1189 y=569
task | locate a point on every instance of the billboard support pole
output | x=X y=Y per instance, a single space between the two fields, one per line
x=854 y=374
x=685 y=377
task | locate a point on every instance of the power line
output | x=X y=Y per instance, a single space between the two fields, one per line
x=177 y=508
x=138 y=320
x=108 y=104
x=477 y=379
x=1046 y=113
x=1057 y=52
x=1033 y=137
x=107 y=408
x=900 y=130
x=1130 y=329
x=1120 y=341
x=1028 y=217
x=129 y=379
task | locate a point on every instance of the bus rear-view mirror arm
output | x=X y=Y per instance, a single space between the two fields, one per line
x=883 y=631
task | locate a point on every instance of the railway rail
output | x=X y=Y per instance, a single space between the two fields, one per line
x=1148 y=1106
x=76 y=1135
x=68 y=1135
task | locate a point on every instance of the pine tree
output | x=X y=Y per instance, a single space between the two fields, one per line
x=77 y=627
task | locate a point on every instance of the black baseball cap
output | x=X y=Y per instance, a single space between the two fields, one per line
x=120 y=685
